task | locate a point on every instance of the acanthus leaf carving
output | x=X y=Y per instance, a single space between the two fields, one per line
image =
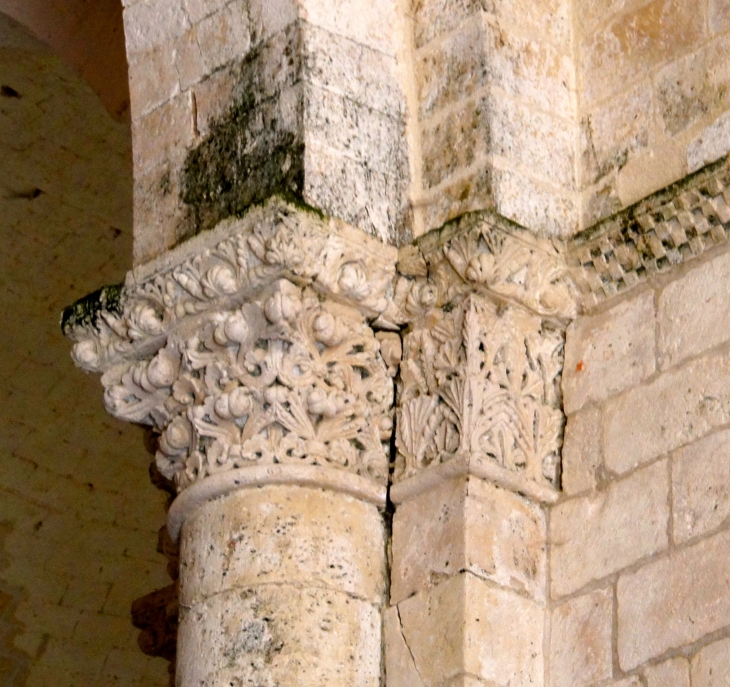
x=287 y=378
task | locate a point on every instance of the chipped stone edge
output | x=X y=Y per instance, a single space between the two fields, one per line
x=318 y=477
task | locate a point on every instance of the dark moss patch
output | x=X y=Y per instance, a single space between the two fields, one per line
x=255 y=149
x=85 y=311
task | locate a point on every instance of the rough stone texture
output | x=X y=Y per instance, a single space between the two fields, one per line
x=693 y=312
x=588 y=534
x=466 y=625
x=282 y=583
x=582 y=455
x=580 y=640
x=710 y=145
x=711 y=665
x=607 y=353
x=400 y=668
x=671 y=673
x=676 y=408
x=673 y=601
x=255 y=99
x=280 y=634
x=470 y=525
x=701 y=486
x=78 y=517
x=280 y=534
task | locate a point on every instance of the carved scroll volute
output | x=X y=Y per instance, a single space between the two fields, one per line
x=483 y=355
x=290 y=378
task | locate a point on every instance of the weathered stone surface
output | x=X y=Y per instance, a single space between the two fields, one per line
x=150 y=23
x=674 y=601
x=280 y=534
x=279 y=634
x=671 y=673
x=580 y=640
x=710 y=145
x=582 y=455
x=636 y=41
x=533 y=140
x=607 y=353
x=676 y=408
x=466 y=625
x=719 y=16
x=469 y=525
x=694 y=86
x=399 y=666
x=711 y=665
x=616 y=131
x=694 y=312
x=589 y=537
x=701 y=486
x=534 y=204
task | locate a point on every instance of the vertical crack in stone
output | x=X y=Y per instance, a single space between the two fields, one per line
x=405 y=641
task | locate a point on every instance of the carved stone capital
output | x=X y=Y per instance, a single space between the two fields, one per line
x=253 y=349
x=482 y=359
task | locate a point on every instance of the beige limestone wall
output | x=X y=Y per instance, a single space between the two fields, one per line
x=639 y=582
x=78 y=516
x=653 y=96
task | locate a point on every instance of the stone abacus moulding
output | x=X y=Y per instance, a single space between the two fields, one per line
x=661 y=232
x=487 y=305
x=251 y=347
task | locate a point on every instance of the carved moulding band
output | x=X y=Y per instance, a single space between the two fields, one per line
x=479 y=387
x=251 y=350
x=265 y=475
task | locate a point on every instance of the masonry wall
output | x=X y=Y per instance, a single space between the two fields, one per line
x=638 y=561
x=653 y=96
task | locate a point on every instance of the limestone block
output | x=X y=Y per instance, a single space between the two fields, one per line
x=364 y=75
x=399 y=666
x=435 y=18
x=582 y=455
x=366 y=198
x=710 y=144
x=534 y=204
x=701 y=486
x=151 y=23
x=470 y=191
x=615 y=131
x=368 y=22
x=694 y=313
x=674 y=601
x=280 y=534
x=279 y=634
x=602 y=11
x=589 y=537
x=607 y=353
x=163 y=135
x=225 y=35
x=580 y=640
x=719 y=16
x=711 y=665
x=625 y=49
x=466 y=625
x=469 y=525
x=546 y=20
x=197 y=10
x=153 y=80
x=533 y=140
x=690 y=88
x=455 y=141
x=671 y=673
x=451 y=71
x=676 y=408
x=530 y=69
x=269 y=17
